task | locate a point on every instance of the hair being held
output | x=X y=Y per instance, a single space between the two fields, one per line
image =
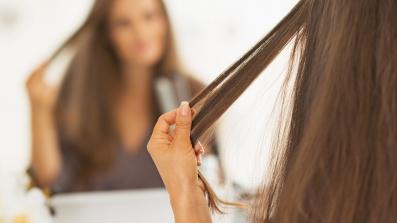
x=335 y=156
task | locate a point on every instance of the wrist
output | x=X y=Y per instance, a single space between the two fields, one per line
x=40 y=114
x=41 y=109
x=191 y=206
x=186 y=196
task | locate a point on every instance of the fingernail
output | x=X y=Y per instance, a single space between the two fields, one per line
x=197 y=149
x=184 y=108
x=199 y=160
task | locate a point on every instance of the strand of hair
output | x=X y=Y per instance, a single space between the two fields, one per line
x=246 y=71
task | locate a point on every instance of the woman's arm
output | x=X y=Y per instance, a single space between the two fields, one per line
x=190 y=206
x=177 y=162
x=46 y=159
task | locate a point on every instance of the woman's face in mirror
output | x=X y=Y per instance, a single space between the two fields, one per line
x=138 y=30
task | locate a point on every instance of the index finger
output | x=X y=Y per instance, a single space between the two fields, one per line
x=165 y=121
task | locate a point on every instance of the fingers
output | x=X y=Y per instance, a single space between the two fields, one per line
x=199 y=151
x=172 y=128
x=36 y=79
x=160 y=134
x=39 y=72
x=175 y=124
x=165 y=121
x=183 y=124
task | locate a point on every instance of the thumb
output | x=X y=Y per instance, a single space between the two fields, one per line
x=183 y=124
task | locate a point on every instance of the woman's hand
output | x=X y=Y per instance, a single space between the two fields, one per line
x=42 y=96
x=177 y=163
x=46 y=158
x=172 y=150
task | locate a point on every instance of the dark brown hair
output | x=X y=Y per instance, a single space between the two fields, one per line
x=335 y=151
x=83 y=111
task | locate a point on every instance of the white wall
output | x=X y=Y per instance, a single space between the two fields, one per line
x=211 y=34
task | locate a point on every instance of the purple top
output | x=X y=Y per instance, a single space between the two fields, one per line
x=128 y=171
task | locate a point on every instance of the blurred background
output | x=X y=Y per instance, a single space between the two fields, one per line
x=210 y=35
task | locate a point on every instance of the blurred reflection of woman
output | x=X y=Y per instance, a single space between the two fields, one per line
x=91 y=133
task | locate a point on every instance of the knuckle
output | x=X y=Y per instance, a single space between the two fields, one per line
x=157 y=142
x=183 y=124
x=149 y=147
x=161 y=118
x=182 y=144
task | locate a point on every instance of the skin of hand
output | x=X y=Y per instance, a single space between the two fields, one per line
x=41 y=94
x=177 y=163
x=46 y=159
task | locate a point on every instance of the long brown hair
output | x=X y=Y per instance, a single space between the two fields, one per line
x=88 y=89
x=336 y=149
